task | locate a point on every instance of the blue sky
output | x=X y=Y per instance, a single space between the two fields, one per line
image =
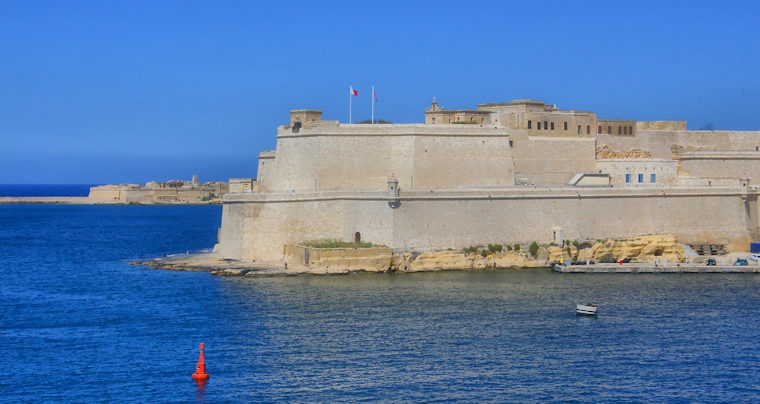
x=104 y=92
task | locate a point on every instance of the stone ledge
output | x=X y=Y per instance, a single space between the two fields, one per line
x=651 y=269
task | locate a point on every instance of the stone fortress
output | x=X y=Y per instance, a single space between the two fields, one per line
x=168 y=192
x=512 y=172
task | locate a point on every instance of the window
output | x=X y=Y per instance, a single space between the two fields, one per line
x=530 y=124
x=539 y=125
x=588 y=129
x=609 y=130
x=552 y=125
x=628 y=178
x=641 y=178
x=565 y=125
x=579 y=129
x=599 y=130
x=653 y=178
x=546 y=125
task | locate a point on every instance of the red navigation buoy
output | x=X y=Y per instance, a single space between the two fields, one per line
x=200 y=374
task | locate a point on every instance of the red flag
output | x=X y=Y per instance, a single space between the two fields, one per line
x=374 y=94
x=354 y=92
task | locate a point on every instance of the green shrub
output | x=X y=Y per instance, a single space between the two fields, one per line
x=517 y=247
x=494 y=248
x=470 y=250
x=533 y=249
x=376 y=121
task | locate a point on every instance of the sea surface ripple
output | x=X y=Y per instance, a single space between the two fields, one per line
x=79 y=324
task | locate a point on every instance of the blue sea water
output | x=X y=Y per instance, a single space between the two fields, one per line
x=45 y=189
x=79 y=324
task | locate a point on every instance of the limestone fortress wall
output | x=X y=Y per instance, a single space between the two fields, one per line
x=254 y=225
x=506 y=173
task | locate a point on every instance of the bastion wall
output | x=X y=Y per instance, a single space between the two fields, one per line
x=720 y=165
x=425 y=221
x=257 y=226
x=659 y=143
x=550 y=160
x=329 y=156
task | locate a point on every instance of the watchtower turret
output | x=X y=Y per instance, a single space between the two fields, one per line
x=300 y=117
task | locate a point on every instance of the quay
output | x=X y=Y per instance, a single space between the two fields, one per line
x=647 y=268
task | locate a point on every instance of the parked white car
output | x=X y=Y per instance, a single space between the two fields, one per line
x=755 y=257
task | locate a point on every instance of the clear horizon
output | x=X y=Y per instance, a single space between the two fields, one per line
x=133 y=92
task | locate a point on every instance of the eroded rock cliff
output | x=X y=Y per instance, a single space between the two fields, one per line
x=639 y=249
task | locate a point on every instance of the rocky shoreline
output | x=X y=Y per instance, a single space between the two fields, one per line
x=650 y=254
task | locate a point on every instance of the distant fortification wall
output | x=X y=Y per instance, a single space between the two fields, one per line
x=150 y=194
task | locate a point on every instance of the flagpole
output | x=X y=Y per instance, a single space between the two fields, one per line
x=350 y=102
x=372 y=100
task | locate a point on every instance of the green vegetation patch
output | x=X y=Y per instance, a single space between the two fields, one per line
x=533 y=249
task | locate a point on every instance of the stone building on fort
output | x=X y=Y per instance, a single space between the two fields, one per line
x=512 y=172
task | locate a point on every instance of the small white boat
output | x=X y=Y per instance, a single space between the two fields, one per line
x=587 y=309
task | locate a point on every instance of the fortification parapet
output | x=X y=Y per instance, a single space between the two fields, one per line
x=661 y=125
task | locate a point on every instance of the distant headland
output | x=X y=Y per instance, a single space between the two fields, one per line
x=152 y=193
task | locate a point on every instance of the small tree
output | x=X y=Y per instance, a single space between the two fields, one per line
x=517 y=247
